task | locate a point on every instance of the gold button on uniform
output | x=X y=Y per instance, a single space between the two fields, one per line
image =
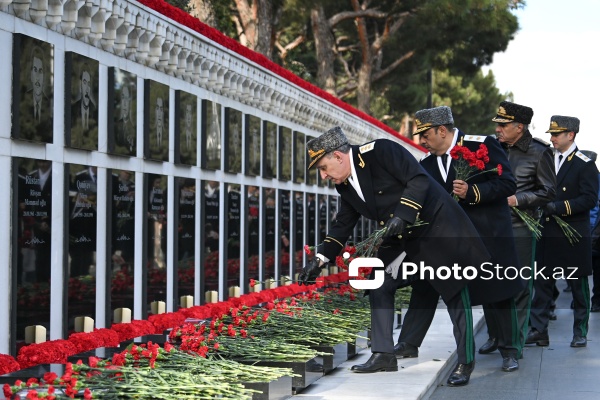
x=380 y=192
x=564 y=189
x=391 y=215
x=381 y=223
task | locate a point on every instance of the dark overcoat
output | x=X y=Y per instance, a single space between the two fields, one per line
x=576 y=195
x=394 y=184
x=487 y=207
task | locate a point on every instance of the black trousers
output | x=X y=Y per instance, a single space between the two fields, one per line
x=421 y=310
x=542 y=299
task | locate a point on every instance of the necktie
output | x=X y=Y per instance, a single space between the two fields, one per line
x=560 y=157
x=445 y=161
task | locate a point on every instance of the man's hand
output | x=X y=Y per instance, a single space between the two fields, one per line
x=550 y=209
x=460 y=188
x=512 y=201
x=395 y=226
x=310 y=272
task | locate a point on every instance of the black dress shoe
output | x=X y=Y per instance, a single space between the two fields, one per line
x=378 y=362
x=488 y=347
x=552 y=315
x=595 y=307
x=510 y=363
x=579 y=341
x=538 y=338
x=461 y=374
x=406 y=350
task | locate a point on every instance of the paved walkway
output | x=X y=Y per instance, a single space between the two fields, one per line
x=546 y=373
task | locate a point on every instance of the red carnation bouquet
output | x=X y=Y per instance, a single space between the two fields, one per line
x=472 y=163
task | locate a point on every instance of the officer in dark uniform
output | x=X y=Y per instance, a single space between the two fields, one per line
x=576 y=195
x=532 y=166
x=483 y=197
x=382 y=181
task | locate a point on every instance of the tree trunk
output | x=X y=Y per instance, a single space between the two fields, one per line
x=325 y=48
x=264 y=34
x=363 y=90
x=247 y=21
x=203 y=10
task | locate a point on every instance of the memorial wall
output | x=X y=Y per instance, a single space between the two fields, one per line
x=143 y=162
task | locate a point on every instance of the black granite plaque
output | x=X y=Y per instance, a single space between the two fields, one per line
x=211 y=235
x=233 y=140
x=156 y=121
x=122 y=238
x=186 y=131
x=156 y=245
x=32 y=183
x=211 y=135
x=253 y=144
x=252 y=231
x=285 y=153
x=285 y=234
x=234 y=198
x=269 y=238
x=122 y=112
x=270 y=153
x=33 y=90
x=186 y=236
x=299 y=152
x=81 y=101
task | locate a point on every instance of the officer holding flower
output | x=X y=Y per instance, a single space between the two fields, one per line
x=475 y=169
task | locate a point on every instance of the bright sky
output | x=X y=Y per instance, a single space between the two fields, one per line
x=551 y=66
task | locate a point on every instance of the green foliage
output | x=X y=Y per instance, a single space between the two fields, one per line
x=455 y=38
x=181 y=4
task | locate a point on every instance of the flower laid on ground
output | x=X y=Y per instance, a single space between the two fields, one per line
x=471 y=163
x=570 y=233
x=149 y=371
x=532 y=224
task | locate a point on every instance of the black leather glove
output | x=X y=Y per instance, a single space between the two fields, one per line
x=395 y=226
x=550 y=209
x=310 y=273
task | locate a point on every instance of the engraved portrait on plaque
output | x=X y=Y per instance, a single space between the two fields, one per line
x=33 y=90
x=122 y=112
x=81 y=101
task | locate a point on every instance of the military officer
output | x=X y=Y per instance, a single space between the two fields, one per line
x=576 y=195
x=483 y=197
x=382 y=181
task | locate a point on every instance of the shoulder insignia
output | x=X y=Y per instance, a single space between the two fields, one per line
x=475 y=138
x=367 y=147
x=542 y=142
x=583 y=156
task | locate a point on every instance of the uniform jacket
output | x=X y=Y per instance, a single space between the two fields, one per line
x=532 y=164
x=394 y=184
x=576 y=195
x=487 y=207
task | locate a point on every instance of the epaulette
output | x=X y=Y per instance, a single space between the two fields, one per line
x=475 y=138
x=542 y=142
x=583 y=156
x=366 y=147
